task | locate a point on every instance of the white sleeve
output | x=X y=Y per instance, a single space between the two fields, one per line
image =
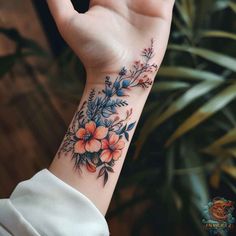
x=45 y=205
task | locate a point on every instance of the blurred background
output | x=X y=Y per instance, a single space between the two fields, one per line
x=184 y=150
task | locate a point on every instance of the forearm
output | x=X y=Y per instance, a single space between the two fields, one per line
x=94 y=149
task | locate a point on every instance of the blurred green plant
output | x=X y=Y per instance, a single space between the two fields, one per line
x=184 y=151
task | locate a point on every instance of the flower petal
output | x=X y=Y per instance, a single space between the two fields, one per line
x=100 y=132
x=105 y=144
x=120 y=144
x=90 y=127
x=80 y=133
x=106 y=155
x=116 y=155
x=80 y=147
x=93 y=145
x=91 y=167
x=113 y=139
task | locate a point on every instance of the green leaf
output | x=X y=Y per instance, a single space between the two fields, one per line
x=191 y=10
x=182 y=29
x=6 y=63
x=166 y=86
x=230 y=170
x=217 y=34
x=217 y=147
x=230 y=115
x=215 y=57
x=188 y=73
x=187 y=98
x=156 y=119
x=182 y=9
x=232 y=5
x=207 y=110
x=226 y=139
x=195 y=181
x=231 y=151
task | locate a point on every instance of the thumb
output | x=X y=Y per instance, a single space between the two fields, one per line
x=62 y=11
x=61 y=8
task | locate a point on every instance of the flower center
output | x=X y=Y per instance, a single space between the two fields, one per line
x=87 y=136
x=112 y=147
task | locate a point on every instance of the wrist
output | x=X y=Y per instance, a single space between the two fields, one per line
x=127 y=74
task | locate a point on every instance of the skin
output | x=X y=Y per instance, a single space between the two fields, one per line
x=110 y=35
x=112 y=32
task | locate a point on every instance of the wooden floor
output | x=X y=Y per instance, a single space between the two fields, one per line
x=32 y=118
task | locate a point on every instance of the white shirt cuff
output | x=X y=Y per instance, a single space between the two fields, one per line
x=45 y=205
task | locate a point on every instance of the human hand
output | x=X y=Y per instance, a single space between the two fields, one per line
x=122 y=44
x=112 y=33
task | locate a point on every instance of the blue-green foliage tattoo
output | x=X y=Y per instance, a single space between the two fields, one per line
x=98 y=134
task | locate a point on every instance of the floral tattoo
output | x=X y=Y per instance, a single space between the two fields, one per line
x=98 y=134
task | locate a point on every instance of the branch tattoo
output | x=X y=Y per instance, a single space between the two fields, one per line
x=98 y=134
